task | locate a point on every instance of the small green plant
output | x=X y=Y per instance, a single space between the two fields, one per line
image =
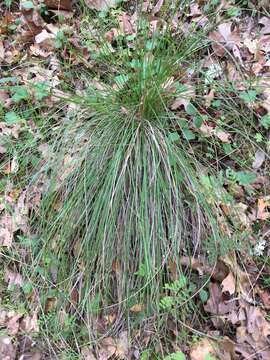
x=178 y=355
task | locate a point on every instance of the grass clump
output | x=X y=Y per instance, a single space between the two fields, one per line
x=126 y=195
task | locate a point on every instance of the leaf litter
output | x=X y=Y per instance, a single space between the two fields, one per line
x=231 y=303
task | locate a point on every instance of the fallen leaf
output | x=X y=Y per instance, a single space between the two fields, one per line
x=58 y=4
x=100 y=4
x=194 y=10
x=184 y=98
x=259 y=159
x=44 y=36
x=87 y=354
x=228 y=284
x=107 y=348
x=222 y=135
x=122 y=345
x=137 y=308
x=7 y=349
x=126 y=24
x=224 y=38
x=202 y=349
x=265 y=21
x=157 y=7
x=13 y=278
x=29 y=324
x=262 y=209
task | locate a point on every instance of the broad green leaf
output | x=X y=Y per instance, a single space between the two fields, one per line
x=188 y=134
x=42 y=90
x=178 y=355
x=174 y=136
x=11 y=117
x=245 y=177
x=248 y=96
x=20 y=93
x=197 y=121
x=27 y=5
x=265 y=121
x=203 y=295
x=191 y=110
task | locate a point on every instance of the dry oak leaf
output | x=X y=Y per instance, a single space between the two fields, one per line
x=100 y=4
x=202 y=349
x=184 y=98
x=228 y=284
x=224 y=38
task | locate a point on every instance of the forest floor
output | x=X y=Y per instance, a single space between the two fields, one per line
x=47 y=50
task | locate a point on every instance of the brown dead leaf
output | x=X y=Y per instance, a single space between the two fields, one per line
x=137 y=308
x=157 y=7
x=59 y=4
x=100 y=4
x=7 y=349
x=265 y=297
x=122 y=345
x=87 y=354
x=228 y=284
x=125 y=23
x=222 y=135
x=12 y=324
x=184 y=98
x=225 y=38
x=202 y=349
x=194 y=10
x=107 y=348
x=262 y=209
x=29 y=324
x=13 y=278
x=265 y=21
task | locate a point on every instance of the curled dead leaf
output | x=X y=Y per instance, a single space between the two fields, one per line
x=228 y=284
